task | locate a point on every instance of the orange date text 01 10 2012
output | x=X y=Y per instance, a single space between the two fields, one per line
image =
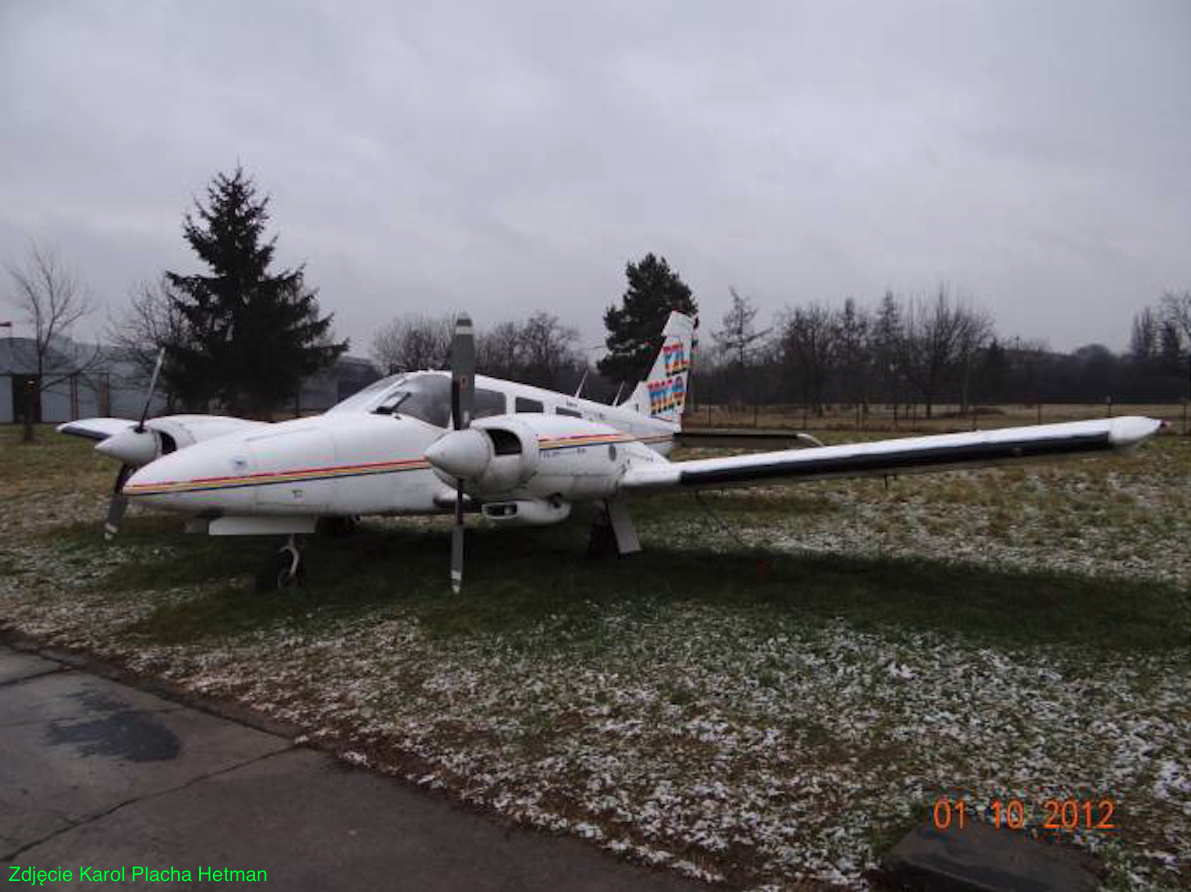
x=1057 y=814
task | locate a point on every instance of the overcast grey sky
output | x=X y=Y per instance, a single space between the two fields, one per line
x=506 y=157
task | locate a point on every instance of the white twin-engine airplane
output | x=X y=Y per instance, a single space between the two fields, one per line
x=434 y=442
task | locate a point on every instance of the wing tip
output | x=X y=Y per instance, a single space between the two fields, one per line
x=1129 y=430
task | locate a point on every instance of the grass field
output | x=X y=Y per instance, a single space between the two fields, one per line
x=784 y=681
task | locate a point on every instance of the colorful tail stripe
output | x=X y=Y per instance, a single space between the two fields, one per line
x=675 y=358
x=667 y=394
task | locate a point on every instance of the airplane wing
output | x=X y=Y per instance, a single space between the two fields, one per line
x=738 y=439
x=95 y=428
x=912 y=455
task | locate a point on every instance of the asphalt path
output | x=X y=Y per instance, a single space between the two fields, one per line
x=95 y=773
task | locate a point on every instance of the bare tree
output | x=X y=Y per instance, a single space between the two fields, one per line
x=1169 y=354
x=1176 y=319
x=975 y=332
x=1143 y=339
x=885 y=343
x=498 y=352
x=49 y=295
x=942 y=337
x=1176 y=308
x=808 y=350
x=854 y=357
x=738 y=341
x=152 y=323
x=412 y=342
x=548 y=348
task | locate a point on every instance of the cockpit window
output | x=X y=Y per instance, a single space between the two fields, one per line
x=361 y=400
x=425 y=396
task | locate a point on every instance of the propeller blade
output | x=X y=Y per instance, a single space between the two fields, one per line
x=463 y=372
x=118 y=505
x=463 y=397
x=152 y=387
x=457 y=541
x=116 y=508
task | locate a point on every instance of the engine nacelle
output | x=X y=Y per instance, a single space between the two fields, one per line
x=535 y=457
x=166 y=434
x=494 y=456
x=528 y=512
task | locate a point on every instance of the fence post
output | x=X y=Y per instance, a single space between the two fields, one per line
x=1185 y=431
x=1108 y=405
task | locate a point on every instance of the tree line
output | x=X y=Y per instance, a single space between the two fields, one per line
x=544 y=352
x=911 y=353
x=924 y=350
x=539 y=350
x=241 y=336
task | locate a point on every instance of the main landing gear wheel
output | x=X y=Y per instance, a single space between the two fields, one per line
x=602 y=542
x=284 y=569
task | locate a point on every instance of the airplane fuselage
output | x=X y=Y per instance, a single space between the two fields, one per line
x=367 y=457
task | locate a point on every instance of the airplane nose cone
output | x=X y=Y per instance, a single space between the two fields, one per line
x=143 y=482
x=132 y=447
x=462 y=454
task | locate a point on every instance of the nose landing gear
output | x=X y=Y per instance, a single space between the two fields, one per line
x=284 y=569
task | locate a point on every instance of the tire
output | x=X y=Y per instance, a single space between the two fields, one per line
x=289 y=580
x=602 y=543
x=274 y=574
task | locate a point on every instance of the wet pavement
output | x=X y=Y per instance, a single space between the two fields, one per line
x=98 y=774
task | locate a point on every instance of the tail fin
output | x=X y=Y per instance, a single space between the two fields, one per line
x=663 y=392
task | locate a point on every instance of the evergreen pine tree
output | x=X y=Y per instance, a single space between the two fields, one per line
x=251 y=336
x=635 y=329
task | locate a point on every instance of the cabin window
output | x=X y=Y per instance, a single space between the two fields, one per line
x=524 y=405
x=488 y=403
x=570 y=413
